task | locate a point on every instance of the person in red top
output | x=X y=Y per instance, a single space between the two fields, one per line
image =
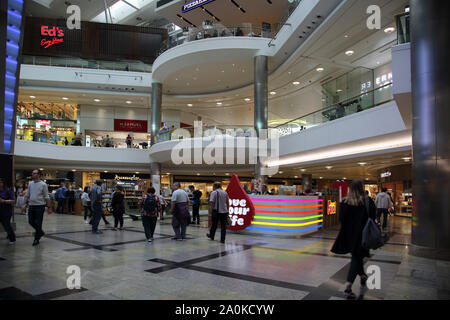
x=150 y=208
x=342 y=188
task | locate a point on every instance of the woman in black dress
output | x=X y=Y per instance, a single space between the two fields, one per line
x=355 y=210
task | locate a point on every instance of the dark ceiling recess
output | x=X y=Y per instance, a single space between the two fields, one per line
x=186 y=20
x=208 y=12
x=269 y=1
x=237 y=5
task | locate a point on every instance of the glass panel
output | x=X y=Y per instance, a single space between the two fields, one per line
x=27 y=60
x=58 y=62
x=42 y=61
x=77 y=63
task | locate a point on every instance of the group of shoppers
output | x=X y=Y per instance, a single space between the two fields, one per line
x=65 y=194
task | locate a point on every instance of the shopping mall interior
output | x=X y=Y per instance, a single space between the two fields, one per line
x=286 y=103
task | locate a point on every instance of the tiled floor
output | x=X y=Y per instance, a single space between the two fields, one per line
x=121 y=265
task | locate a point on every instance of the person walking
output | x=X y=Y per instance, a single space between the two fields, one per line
x=355 y=210
x=36 y=199
x=196 y=199
x=86 y=202
x=179 y=208
x=61 y=198
x=21 y=197
x=7 y=201
x=129 y=141
x=383 y=203
x=96 y=197
x=150 y=205
x=118 y=207
x=219 y=205
x=70 y=196
x=163 y=207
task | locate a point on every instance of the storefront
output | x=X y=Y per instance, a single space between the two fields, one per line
x=397 y=180
x=47 y=122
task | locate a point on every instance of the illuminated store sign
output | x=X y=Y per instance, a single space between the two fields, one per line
x=386 y=174
x=194 y=4
x=331 y=208
x=130 y=125
x=133 y=178
x=55 y=32
x=241 y=210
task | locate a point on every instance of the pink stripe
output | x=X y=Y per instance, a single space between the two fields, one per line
x=287 y=200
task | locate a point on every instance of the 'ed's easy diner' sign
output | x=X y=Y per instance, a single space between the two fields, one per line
x=55 y=35
x=194 y=4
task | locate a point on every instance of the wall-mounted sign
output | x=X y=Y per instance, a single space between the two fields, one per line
x=386 y=174
x=194 y=4
x=133 y=178
x=241 y=210
x=56 y=32
x=331 y=208
x=43 y=122
x=130 y=125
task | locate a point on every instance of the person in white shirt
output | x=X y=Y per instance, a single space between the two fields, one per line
x=36 y=199
x=179 y=209
x=383 y=203
x=86 y=202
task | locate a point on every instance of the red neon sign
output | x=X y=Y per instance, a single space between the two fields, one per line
x=55 y=32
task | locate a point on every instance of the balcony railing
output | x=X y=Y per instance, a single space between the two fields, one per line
x=365 y=101
x=68 y=62
x=229 y=131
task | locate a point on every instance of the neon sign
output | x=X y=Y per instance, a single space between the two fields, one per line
x=56 y=32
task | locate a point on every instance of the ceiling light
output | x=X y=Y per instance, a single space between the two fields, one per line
x=219 y=103
x=247 y=99
x=129 y=102
x=346 y=36
x=32 y=97
x=64 y=98
x=273 y=93
x=362 y=163
x=329 y=167
x=303 y=170
x=320 y=69
x=281 y=172
x=321 y=178
x=198 y=174
x=227 y=174
x=42 y=169
x=190 y=105
x=73 y=170
x=344 y=178
x=389 y=30
x=97 y=100
x=349 y=52
x=105 y=171
x=137 y=172
x=296 y=177
x=295 y=83
x=407 y=159
x=339 y=90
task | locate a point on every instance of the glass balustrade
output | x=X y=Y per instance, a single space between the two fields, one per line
x=365 y=101
x=87 y=64
x=403 y=31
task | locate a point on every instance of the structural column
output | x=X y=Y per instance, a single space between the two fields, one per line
x=430 y=66
x=261 y=118
x=156 y=111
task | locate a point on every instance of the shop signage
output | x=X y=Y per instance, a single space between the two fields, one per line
x=133 y=178
x=130 y=125
x=194 y=4
x=43 y=122
x=386 y=174
x=331 y=208
x=241 y=209
x=56 y=34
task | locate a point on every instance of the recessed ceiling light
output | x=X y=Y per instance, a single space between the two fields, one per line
x=219 y=103
x=339 y=90
x=129 y=102
x=329 y=167
x=303 y=170
x=349 y=52
x=295 y=83
x=320 y=69
x=97 y=100
x=42 y=169
x=105 y=171
x=32 y=97
x=344 y=178
x=227 y=174
x=362 y=163
x=407 y=159
x=198 y=174
x=346 y=36
x=190 y=105
x=248 y=99
x=223 y=71
x=64 y=98
x=296 y=177
x=389 y=30
x=321 y=178
x=273 y=93
x=281 y=172
x=137 y=172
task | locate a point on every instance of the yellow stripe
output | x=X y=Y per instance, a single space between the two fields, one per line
x=287 y=224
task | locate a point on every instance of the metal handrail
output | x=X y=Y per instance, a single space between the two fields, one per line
x=334 y=104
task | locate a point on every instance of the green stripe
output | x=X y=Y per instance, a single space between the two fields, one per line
x=288 y=219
